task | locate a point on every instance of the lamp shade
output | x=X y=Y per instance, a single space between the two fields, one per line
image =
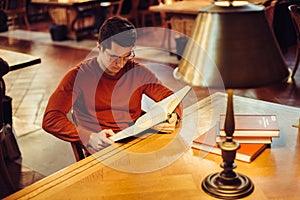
x=232 y=46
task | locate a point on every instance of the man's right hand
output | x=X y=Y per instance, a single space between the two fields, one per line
x=99 y=140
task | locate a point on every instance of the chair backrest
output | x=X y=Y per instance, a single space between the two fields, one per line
x=16 y=9
x=79 y=151
x=2 y=4
x=132 y=15
x=15 y=4
x=119 y=8
x=295 y=14
x=113 y=8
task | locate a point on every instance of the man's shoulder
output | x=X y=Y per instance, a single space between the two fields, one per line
x=138 y=66
x=88 y=66
x=90 y=63
x=82 y=69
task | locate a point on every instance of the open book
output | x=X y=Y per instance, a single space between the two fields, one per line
x=158 y=113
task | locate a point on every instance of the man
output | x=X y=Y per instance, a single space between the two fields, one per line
x=105 y=92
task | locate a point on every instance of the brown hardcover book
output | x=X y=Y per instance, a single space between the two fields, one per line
x=253 y=125
x=207 y=142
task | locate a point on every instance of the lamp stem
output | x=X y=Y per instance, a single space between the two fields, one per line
x=229 y=119
x=228 y=184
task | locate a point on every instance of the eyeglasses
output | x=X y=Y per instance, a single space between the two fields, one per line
x=130 y=55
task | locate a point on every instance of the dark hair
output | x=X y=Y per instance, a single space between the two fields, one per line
x=119 y=30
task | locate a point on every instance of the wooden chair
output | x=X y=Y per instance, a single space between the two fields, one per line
x=79 y=151
x=295 y=14
x=16 y=11
x=2 y=4
x=84 y=23
x=114 y=8
x=144 y=13
x=166 y=23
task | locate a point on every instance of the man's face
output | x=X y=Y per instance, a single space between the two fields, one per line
x=114 y=59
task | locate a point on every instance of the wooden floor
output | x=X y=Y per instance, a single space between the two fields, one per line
x=56 y=60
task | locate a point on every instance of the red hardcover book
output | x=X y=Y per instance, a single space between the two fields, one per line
x=253 y=125
x=207 y=142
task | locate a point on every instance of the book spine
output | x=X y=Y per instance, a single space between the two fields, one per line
x=217 y=151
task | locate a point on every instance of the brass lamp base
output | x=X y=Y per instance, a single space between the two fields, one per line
x=237 y=187
x=228 y=184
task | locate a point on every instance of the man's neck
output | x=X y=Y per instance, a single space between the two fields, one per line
x=103 y=67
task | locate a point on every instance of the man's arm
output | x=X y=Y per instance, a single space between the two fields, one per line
x=55 y=120
x=57 y=123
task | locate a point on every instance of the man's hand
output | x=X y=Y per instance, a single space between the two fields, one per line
x=169 y=126
x=99 y=140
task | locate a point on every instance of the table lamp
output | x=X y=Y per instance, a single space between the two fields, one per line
x=232 y=46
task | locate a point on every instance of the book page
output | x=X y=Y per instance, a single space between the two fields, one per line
x=158 y=113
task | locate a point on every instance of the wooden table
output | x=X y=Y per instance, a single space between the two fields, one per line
x=179 y=16
x=163 y=166
x=187 y=7
x=77 y=15
x=181 y=7
x=18 y=60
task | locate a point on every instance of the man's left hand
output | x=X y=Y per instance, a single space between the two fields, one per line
x=169 y=126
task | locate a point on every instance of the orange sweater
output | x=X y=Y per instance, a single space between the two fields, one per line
x=100 y=101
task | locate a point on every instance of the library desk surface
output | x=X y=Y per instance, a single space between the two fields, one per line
x=190 y=7
x=18 y=60
x=163 y=166
x=181 y=7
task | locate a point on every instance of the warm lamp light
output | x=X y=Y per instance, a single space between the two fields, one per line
x=235 y=36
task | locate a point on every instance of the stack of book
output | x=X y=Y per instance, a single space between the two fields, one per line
x=253 y=132
x=252 y=128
